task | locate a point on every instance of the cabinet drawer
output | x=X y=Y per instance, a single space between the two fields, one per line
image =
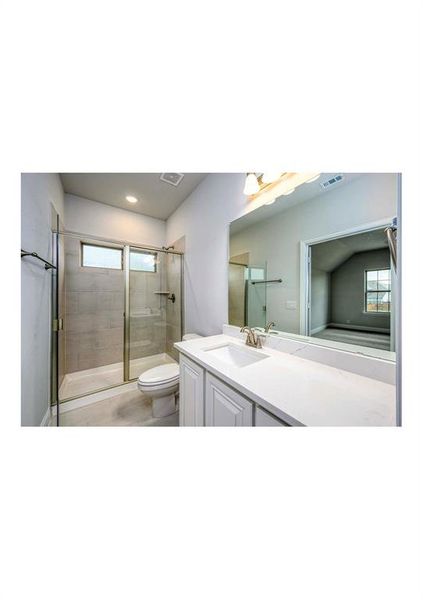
x=224 y=407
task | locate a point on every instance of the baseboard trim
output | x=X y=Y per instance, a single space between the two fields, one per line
x=360 y=328
x=45 y=422
x=319 y=329
x=92 y=398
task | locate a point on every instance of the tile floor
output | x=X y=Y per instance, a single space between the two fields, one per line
x=90 y=380
x=125 y=409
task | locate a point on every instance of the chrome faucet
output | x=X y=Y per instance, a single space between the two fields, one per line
x=268 y=327
x=252 y=338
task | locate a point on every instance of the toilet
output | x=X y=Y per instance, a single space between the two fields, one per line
x=161 y=384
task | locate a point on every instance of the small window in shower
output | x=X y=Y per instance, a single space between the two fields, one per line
x=141 y=260
x=102 y=257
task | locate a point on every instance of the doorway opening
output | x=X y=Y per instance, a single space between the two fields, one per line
x=350 y=291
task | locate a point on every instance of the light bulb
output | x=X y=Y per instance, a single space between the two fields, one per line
x=313 y=178
x=251 y=185
x=270 y=177
x=132 y=199
x=270 y=201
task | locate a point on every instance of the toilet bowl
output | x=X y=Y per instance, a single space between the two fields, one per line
x=161 y=384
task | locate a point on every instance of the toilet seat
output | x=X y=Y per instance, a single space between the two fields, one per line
x=161 y=375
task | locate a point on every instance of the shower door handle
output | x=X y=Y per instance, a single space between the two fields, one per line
x=57 y=324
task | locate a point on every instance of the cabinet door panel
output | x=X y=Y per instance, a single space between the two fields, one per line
x=191 y=393
x=225 y=407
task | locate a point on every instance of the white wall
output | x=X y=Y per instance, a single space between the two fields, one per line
x=100 y=220
x=204 y=220
x=38 y=192
x=320 y=300
x=367 y=199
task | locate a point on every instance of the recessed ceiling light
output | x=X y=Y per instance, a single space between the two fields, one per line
x=132 y=199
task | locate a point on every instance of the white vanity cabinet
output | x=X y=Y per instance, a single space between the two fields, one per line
x=191 y=393
x=224 y=407
x=205 y=400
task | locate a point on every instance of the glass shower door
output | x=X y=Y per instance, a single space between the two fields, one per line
x=154 y=308
x=256 y=297
x=91 y=304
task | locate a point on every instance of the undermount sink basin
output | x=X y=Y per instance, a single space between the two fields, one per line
x=235 y=356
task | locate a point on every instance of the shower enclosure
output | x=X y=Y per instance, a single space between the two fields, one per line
x=246 y=297
x=117 y=311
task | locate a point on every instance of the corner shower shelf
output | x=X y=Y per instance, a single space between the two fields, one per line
x=167 y=293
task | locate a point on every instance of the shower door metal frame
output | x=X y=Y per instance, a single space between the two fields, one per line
x=126 y=247
x=126 y=316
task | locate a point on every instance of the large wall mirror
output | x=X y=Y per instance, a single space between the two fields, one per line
x=321 y=263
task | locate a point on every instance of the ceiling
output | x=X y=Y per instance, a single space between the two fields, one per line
x=302 y=193
x=328 y=256
x=156 y=198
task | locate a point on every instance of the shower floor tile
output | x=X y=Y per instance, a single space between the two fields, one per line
x=84 y=382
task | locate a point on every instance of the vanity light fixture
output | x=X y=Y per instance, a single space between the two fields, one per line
x=270 y=177
x=132 y=199
x=261 y=193
x=251 y=184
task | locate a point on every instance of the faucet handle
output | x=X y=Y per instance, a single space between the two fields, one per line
x=268 y=326
x=261 y=338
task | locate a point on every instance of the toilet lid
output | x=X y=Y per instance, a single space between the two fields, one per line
x=160 y=374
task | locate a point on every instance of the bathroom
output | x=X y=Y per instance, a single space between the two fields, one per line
x=185 y=299
x=212 y=375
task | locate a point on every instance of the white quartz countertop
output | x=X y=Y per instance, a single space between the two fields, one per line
x=297 y=390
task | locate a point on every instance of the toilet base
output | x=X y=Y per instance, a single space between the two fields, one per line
x=164 y=406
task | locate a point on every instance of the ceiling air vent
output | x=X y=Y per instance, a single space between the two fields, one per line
x=172 y=178
x=332 y=181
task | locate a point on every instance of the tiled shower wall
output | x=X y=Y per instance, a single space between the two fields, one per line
x=94 y=321
x=155 y=321
x=148 y=317
x=94 y=312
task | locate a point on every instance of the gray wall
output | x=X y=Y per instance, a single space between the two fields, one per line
x=347 y=290
x=38 y=192
x=320 y=299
